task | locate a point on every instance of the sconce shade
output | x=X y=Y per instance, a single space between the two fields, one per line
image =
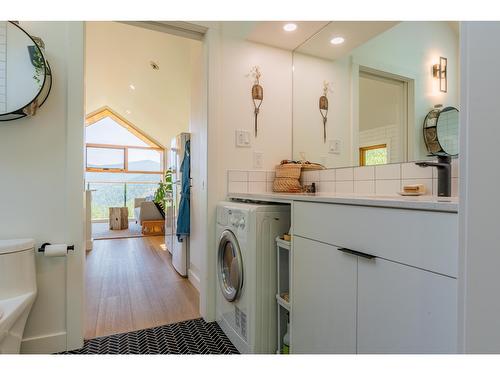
x=440 y=71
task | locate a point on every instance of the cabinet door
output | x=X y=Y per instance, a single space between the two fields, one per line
x=323 y=318
x=402 y=309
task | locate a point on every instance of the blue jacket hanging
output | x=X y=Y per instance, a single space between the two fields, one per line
x=183 y=217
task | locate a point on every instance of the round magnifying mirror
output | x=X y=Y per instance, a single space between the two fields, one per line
x=441 y=131
x=25 y=78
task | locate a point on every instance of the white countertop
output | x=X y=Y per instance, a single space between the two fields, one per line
x=423 y=202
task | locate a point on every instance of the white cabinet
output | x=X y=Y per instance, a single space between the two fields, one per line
x=323 y=299
x=403 y=300
x=403 y=309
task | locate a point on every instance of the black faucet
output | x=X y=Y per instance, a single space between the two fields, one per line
x=443 y=166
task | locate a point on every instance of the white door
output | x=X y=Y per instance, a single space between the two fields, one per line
x=323 y=318
x=403 y=309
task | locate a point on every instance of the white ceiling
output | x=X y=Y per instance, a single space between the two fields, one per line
x=355 y=34
x=272 y=33
x=119 y=55
x=318 y=35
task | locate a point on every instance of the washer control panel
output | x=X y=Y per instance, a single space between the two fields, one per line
x=236 y=220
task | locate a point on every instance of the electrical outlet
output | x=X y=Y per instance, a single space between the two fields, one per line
x=334 y=146
x=258 y=160
x=242 y=138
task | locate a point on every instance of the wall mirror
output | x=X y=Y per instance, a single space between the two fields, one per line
x=25 y=75
x=441 y=131
x=382 y=80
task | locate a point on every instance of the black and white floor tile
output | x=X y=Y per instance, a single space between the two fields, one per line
x=189 y=337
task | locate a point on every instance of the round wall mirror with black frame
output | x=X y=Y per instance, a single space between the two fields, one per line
x=441 y=131
x=25 y=74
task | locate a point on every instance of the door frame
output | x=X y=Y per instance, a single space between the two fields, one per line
x=207 y=32
x=388 y=72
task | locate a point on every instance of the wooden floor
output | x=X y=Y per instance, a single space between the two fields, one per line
x=131 y=285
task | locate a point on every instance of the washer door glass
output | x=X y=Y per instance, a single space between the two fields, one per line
x=229 y=266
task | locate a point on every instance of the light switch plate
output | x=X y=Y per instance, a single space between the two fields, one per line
x=334 y=146
x=242 y=138
x=258 y=160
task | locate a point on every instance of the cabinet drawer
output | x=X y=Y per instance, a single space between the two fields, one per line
x=423 y=239
x=404 y=310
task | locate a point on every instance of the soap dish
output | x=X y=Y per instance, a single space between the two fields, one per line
x=410 y=194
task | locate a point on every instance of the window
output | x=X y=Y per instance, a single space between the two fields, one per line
x=122 y=163
x=373 y=155
x=114 y=145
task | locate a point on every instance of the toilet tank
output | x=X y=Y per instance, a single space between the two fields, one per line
x=17 y=268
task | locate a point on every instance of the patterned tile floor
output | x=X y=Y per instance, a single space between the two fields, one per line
x=189 y=337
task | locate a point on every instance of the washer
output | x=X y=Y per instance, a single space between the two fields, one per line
x=246 y=272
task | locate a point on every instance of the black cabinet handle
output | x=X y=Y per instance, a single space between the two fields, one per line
x=357 y=253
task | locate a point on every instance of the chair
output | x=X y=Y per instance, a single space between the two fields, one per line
x=145 y=211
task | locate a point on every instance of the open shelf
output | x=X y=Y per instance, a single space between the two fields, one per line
x=283 y=244
x=282 y=302
x=283 y=255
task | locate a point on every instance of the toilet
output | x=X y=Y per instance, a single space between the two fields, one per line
x=17 y=291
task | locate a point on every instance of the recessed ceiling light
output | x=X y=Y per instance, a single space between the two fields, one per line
x=290 y=27
x=132 y=87
x=337 y=40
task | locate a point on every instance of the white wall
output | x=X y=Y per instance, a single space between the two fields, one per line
x=229 y=59
x=309 y=73
x=118 y=55
x=41 y=167
x=479 y=203
x=409 y=49
x=199 y=149
x=275 y=118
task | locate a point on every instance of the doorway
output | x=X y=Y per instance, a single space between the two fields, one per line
x=383 y=118
x=138 y=99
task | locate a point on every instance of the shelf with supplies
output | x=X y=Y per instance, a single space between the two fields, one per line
x=283 y=264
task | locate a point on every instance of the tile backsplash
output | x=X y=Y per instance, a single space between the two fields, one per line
x=379 y=180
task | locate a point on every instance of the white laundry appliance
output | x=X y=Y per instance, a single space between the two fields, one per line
x=246 y=273
x=179 y=250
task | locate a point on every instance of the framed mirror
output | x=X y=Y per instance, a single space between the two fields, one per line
x=381 y=84
x=25 y=75
x=441 y=131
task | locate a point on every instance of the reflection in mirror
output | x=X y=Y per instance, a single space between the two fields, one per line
x=441 y=131
x=24 y=85
x=382 y=87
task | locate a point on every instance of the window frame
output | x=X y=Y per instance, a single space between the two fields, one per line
x=107 y=112
x=362 y=152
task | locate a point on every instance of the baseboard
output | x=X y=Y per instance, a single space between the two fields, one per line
x=194 y=279
x=48 y=344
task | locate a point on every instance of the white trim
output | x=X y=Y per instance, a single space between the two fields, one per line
x=463 y=200
x=390 y=72
x=75 y=194
x=213 y=80
x=179 y=28
x=45 y=344
x=194 y=279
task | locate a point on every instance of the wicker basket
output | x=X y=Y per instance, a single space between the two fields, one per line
x=290 y=170
x=311 y=167
x=286 y=185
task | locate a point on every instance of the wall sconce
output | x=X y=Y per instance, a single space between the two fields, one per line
x=440 y=71
x=257 y=93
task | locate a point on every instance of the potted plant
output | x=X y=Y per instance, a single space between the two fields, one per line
x=163 y=191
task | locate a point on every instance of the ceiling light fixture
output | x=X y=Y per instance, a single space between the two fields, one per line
x=132 y=87
x=337 y=40
x=290 y=27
